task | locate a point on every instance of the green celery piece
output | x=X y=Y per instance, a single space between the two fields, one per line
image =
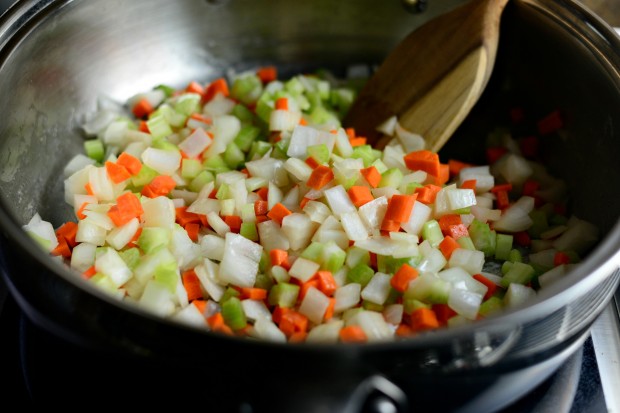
x=515 y=255
x=360 y=274
x=233 y=313
x=411 y=304
x=313 y=252
x=94 y=149
x=264 y=262
x=216 y=164
x=411 y=187
x=391 y=178
x=389 y=265
x=174 y=118
x=233 y=156
x=490 y=306
x=168 y=90
x=258 y=149
x=247 y=89
x=333 y=257
x=283 y=295
x=519 y=273
x=152 y=238
x=356 y=255
x=228 y=294
x=158 y=127
x=365 y=153
x=242 y=113
x=506 y=265
x=223 y=192
x=322 y=115
x=104 y=282
x=393 y=297
x=264 y=107
x=380 y=166
x=131 y=256
x=370 y=306
x=201 y=180
x=294 y=86
x=463 y=211
x=503 y=246
x=430 y=289
x=143 y=177
x=163 y=143
x=248 y=230
x=167 y=275
x=280 y=149
x=246 y=136
x=350 y=313
x=539 y=223
x=314 y=98
x=187 y=103
x=263 y=281
x=43 y=242
x=466 y=243
x=431 y=232
x=319 y=152
x=342 y=98
x=483 y=237
x=190 y=168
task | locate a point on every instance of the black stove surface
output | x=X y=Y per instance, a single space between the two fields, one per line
x=39 y=367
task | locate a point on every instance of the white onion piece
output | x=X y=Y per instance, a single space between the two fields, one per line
x=218 y=224
x=225 y=128
x=373 y=324
x=255 y=309
x=191 y=316
x=347 y=296
x=471 y=261
x=372 y=212
x=299 y=229
x=272 y=237
x=112 y=265
x=464 y=302
x=298 y=168
x=120 y=236
x=90 y=232
x=207 y=275
x=549 y=277
x=516 y=217
x=393 y=313
x=212 y=247
x=158 y=212
x=339 y=201
x=325 y=333
x=42 y=231
x=164 y=161
x=317 y=211
x=266 y=329
x=579 y=237
x=459 y=278
x=304 y=136
x=388 y=126
x=482 y=174
x=195 y=143
x=157 y=299
x=353 y=226
x=77 y=163
x=83 y=256
x=303 y=269
x=239 y=265
x=377 y=289
x=518 y=294
x=314 y=305
x=419 y=215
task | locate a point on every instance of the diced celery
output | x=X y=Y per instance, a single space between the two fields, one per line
x=342 y=98
x=431 y=232
x=369 y=305
x=429 y=288
x=391 y=178
x=190 y=168
x=518 y=273
x=244 y=114
x=167 y=275
x=322 y=115
x=294 y=86
x=94 y=149
x=264 y=107
x=503 y=246
x=506 y=265
x=483 y=237
x=411 y=304
x=174 y=118
x=215 y=164
x=233 y=314
x=283 y=295
x=365 y=153
x=515 y=256
x=466 y=242
x=411 y=187
x=247 y=89
x=168 y=90
x=151 y=238
x=131 y=256
x=319 y=152
x=158 y=127
x=390 y=265
x=223 y=192
x=263 y=281
x=187 y=103
x=313 y=252
x=162 y=143
x=381 y=167
x=143 y=177
x=248 y=230
x=228 y=294
x=333 y=257
x=280 y=149
x=258 y=149
x=356 y=255
x=264 y=262
x=200 y=180
x=360 y=274
x=246 y=136
x=233 y=156
x=490 y=306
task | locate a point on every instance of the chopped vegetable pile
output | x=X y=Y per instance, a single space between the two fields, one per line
x=244 y=207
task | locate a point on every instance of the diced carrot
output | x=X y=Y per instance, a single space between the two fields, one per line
x=400 y=207
x=201 y=305
x=321 y=176
x=357 y=141
x=278 y=212
x=389 y=225
x=89 y=189
x=68 y=231
x=491 y=286
x=143 y=127
x=62 y=249
x=117 y=173
x=530 y=187
x=261 y=218
x=360 y=195
x=217 y=324
x=443 y=177
x=217 y=86
x=423 y=318
x=427 y=193
x=469 y=184
x=191 y=283
x=507 y=187
x=550 y=123
x=311 y=162
x=403 y=330
x=560 y=258
x=234 y=222
x=260 y=207
x=327 y=283
x=253 y=293
x=135 y=237
x=329 y=311
x=183 y=217
x=312 y=282
x=89 y=272
x=292 y=322
x=263 y=193
x=352 y=334
x=80 y=212
x=278 y=312
x=142 y=108
x=447 y=220
x=455 y=166
x=502 y=200
x=447 y=246
x=493 y=153
x=192 y=230
x=303 y=202
x=458 y=231
x=400 y=280
x=130 y=162
x=127 y=207
x=522 y=238
x=350 y=132
x=195 y=87
x=423 y=160
x=161 y=185
x=443 y=313
x=372 y=176
x=279 y=257
x=373 y=260
x=298 y=337
x=281 y=103
x=267 y=74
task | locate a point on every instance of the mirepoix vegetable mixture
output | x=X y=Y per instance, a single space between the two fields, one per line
x=242 y=206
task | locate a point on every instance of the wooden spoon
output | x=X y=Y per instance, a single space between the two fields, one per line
x=433 y=78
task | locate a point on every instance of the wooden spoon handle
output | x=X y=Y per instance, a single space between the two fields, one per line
x=434 y=76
